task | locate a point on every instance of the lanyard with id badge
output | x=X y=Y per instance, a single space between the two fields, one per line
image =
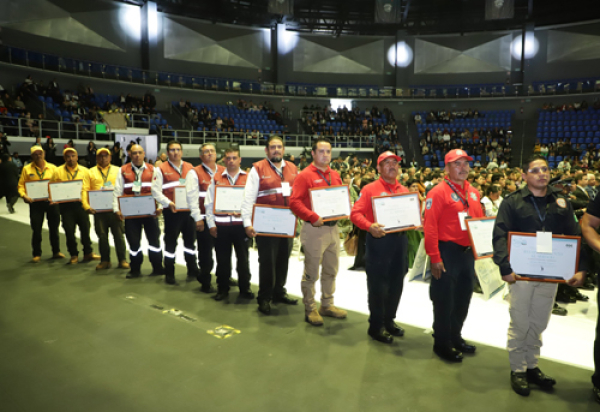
x=106 y=185
x=286 y=190
x=465 y=213
x=137 y=184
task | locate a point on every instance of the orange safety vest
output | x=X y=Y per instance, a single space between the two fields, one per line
x=269 y=188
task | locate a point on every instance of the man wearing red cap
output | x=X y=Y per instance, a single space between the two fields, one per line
x=452 y=264
x=72 y=213
x=39 y=169
x=103 y=176
x=386 y=254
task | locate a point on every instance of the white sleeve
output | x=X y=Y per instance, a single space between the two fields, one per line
x=157 y=193
x=118 y=191
x=191 y=190
x=208 y=205
x=250 y=194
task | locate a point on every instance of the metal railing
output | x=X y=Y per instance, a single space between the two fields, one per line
x=18 y=126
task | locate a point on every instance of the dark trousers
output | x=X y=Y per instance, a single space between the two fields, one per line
x=205 y=255
x=175 y=224
x=133 y=233
x=273 y=259
x=37 y=210
x=359 y=259
x=386 y=266
x=73 y=215
x=226 y=237
x=103 y=222
x=10 y=200
x=451 y=293
x=596 y=375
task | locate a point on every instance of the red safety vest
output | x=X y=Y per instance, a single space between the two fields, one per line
x=222 y=180
x=171 y=177
x=129 y=177
x=269 y=188
x=204 y=181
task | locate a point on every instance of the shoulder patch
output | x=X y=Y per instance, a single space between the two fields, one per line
x=428 y=204
x=561 y=203
x=454 y=197
x=383 y=194
x=473 y=196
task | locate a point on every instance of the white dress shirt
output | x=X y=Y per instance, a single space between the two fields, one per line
x=192 y=189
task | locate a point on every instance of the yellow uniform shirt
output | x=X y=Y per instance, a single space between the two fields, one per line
x=65 y=174
x=32 y=172
x=99 y=179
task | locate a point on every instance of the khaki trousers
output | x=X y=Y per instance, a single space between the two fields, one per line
x=530 y=309
x=321 y=248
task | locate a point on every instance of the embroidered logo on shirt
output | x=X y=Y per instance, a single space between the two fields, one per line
x=317 y=181
x=473 y=196
x=383 y=194
x=454 y=197
x=428 y=204
x=561 y=203
x=265 y=177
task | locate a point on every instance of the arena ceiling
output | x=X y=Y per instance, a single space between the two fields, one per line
x=357 y=16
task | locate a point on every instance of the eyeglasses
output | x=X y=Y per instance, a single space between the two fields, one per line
x=536 y=170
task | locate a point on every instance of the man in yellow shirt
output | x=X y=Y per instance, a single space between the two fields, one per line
x=37 y=170
x=103 y=177
x=73 y=213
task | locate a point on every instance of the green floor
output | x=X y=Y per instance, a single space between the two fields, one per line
x=75 y=340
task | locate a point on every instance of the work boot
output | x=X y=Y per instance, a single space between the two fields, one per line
x=314 y=318
x=103 y=266
x=332 y=312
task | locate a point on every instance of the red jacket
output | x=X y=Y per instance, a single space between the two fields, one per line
x=441 y=217
x=362 y=212
x=306 y=179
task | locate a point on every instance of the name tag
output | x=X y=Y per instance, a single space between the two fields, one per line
x=182 y=182
x=285 y=189
x=137 y=187
x=461 y=218
x=107 y=186
x=543 y=242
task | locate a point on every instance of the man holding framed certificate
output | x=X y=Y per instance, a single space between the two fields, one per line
x=72 y=213
x=33 y=188
x=98 y=200
x=227 y=228
x=167 y=177
x=386 y=252
x=320 y=239
x=541 y=210
x=448 y=245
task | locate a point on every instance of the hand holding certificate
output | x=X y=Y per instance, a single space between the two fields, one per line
x=228 y=199
x=101 y=200
x=331 y=202
x=137 y=206
x=37 y=190
x=274 y=221
x=558 y=266
x=181 y=204
x=397 y=212
x=63 y=192
x=480 y=232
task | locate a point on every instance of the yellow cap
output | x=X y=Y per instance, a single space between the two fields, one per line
x=36 y=148
x=69 y=149
x=104 y=149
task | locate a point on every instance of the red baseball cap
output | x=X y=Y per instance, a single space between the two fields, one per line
x=386 y=155
x=454 y=155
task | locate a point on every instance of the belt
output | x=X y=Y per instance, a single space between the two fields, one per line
x=330 y=223
x=464 y=248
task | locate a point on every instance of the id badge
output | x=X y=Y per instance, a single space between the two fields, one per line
x=543 y=242
x=182 y=182
x=285 y=189
x=107 y=186
x=137 y=188
x=461 y=218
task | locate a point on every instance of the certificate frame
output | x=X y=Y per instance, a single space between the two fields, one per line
x=336 y=217
x=540 y=278
x=68 y=182
x=476 y=254
x=175 y=198
x=274 y=234
x=139 y=197
x=38 y=182
x=105 y=193
x=226 y=212
x=374 y=200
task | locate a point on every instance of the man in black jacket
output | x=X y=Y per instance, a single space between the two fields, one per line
x=9 y=179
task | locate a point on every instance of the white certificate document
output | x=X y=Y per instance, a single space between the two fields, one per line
x=228 y=199
x=397 y=212
x=489 y=277
x=62 y=192
x=273 y=221
x=181 y=202
x=558 y=265
x=480 y=231
x=331 y=202
x=101 y=200
x=37 y=190
x=137 y=206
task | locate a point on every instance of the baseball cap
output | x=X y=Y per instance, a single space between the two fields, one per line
x=386 y=155
x=104 y=149
x=36 y=148
x=69 y=149
x=454 y=155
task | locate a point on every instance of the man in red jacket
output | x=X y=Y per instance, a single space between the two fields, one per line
x=386 y=253
x=448 y=245
x=320 y=240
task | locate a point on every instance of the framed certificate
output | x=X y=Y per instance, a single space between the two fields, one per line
x=37 y=190
x=274 y=221
x=63 y=192
x=331 y=202
x=558 y=266
x=181 y=203
x=101 y=200
x=132 y=207
x=228 y=199
x=480 y=232
x=397 y=212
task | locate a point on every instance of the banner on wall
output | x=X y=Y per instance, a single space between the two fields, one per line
x=284 y=7
x=499 y=9
x=388 y=11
